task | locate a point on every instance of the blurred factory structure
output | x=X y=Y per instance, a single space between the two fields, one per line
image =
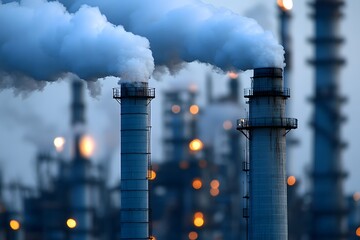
x=213 y=182
x=197 y=182
x=328 y=202
x=71 y=200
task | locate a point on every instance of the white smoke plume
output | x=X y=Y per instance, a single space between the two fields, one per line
x=40 y=42
x=190 y=30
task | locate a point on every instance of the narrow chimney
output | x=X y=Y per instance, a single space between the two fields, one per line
x=135 y=159
x=81 y=185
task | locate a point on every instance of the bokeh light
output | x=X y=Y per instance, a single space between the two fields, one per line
x=233 y=75
x=196 y=145
x=199 y=219
x=193 y=235
x=87 y=146
x=71 y=223
x=197 y=183
x=152 y=175
x=214 y=192
x=176 y=109
x=59 y=143
x=14 y=225
x=194 y=109
x=215 y=184
x=227 y=125
x=291 y=180
x=285 y=4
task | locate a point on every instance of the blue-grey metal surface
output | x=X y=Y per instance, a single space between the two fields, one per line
x=267 y=128
x=135 y=159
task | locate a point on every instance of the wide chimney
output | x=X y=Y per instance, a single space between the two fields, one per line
x=266 y=128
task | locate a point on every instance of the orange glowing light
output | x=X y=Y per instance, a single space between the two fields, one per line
x=176 y=109
x=199 y=219
x=214 y=192
x=193 y=235
x=197 y=183
x=233 y=75
x=14 y=225
x=227 y=125
x=184 y=165
x=356 y=196
x=285 y=4
x=59 y=143
x=358 y=232
x=291 y=180
x=196 y=145
x=71 y=223
x=87 y=146
x=152 y=175
x=215 y=184
x=152 y=238
x=198 y=215
x=194 y=109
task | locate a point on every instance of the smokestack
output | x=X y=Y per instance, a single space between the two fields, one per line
x=81 y=202
x=266 y=128
x=135 y=100
x=328 y=200
x=77 y=105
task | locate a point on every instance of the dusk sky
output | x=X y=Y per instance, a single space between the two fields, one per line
x=29 y=121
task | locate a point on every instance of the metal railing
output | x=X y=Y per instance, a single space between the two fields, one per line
x=129 y=92
x=278 y=91
x=278 y=122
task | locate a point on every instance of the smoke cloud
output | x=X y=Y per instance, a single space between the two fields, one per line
x=190 y=30
x=40 y=42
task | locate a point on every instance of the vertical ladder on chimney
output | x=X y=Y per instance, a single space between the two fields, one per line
x=246 y=169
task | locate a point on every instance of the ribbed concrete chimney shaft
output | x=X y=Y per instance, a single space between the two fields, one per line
x=328 y=202
x=266 y=128
x=135 y=159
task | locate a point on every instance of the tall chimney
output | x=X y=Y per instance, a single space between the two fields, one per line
x=77 y=105
x=81 y=183
x=135 y=159
x=328 y=201
x=266 y=128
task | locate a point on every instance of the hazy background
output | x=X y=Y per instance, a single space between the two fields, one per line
x=29 y=123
